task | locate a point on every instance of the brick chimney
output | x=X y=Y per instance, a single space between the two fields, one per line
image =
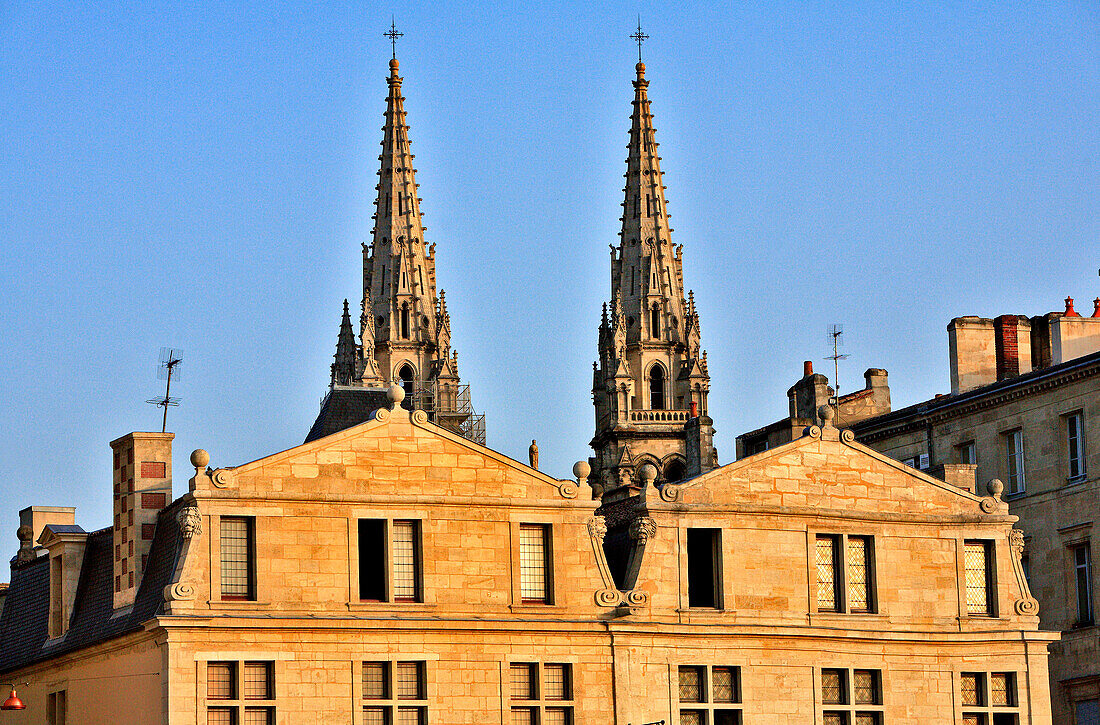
x=142 y=487
x=1012 y=344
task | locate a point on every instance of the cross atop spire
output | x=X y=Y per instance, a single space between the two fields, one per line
x=393 y=35
x=639 y=37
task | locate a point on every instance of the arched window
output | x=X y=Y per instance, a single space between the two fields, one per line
x=405 y=320
x=674 y=470
x=406 y=377
x=657 y=388
x=655 y=321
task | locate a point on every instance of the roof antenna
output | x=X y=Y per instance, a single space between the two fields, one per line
x=170 y=358
x=836 y=332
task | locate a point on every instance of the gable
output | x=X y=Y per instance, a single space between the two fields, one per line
x=839 y=475
x=396 y=453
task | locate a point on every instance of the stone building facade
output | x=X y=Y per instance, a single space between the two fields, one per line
x=397 y=572
x=1024 y=408
x=390 y=570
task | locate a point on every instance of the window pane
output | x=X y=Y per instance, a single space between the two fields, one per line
x=691 y=717
x=691 y=684
x=727 y=717
x=410 y=681
x=868 y=718
x=236 y=555
x=725 y=684
x=973 y=688
x=826 y=574
x=1073 y=445
x=558 y=716
x=376 y=716
x=404 y=561
x=702 y=567
x=219 y=681
x=375 y=682
x=532 y=563
x=977 y=577
x=835 y=718
x=410 y=716
x=859 y=562
x=523 y=681
x=259 y=681
x=1088 y=713
x=372 y=559
x=834 y=690
x=1002 y=689
x=524 y=716
x=973 y=719
x=865 y=684
x=1082 y=556
x=557 y=682
x=221 y=716
x=259 y=716
x=1014 y=453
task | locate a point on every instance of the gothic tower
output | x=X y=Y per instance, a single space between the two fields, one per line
x=650 y=384
x=404 y=326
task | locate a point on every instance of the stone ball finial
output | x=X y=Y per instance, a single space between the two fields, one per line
x=396 y=394
x=24 y=533
x=640 y=67
x=581 y=469
x=199 y=458
x=827 y=413
x=648 y=474
x=393 y=63
x=995 y=487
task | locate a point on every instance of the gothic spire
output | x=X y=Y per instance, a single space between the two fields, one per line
x=344 y=368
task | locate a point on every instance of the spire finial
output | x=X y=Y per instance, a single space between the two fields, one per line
x=639 y=37
x=393 y=35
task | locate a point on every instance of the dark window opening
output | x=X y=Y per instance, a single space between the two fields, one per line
x=405 y=320
x=655 y=322
x=675 y=470
x=406 y=378
x=372 y=560
x=656 y=388
x=702 y=565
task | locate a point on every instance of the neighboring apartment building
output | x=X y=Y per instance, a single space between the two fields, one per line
x=1024 y=408
x=394 y=570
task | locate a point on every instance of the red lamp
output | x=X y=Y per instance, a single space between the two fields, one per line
x=13 y=702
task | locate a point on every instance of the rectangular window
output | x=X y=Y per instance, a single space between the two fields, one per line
x=244 y=693
x=1088 y=712
x=372 y=560
x=1082 y=571
x=406 y=562
x=986 y=696
x=405 y=703
x=979 y=578
x=1075 y=447
x=827 y=553
x=534 y=563
x=57 y=708
x=708 y=693
x=703 y=570
x=852 y=696
x=541 y=694
x=238 y=549
x=859 y=573
x=1014 y=459
x=845 y=573
x=967 y=453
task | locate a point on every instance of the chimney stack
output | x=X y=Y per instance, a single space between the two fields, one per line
x=142 y=487
x=1013 y=345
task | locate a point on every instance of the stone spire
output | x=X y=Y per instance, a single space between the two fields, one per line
x=651 y=377
x=344 y=368
x=404 y=330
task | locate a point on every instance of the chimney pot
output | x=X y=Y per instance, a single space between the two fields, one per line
x=1070 y=312
x=807 y=368
x=1096 y=307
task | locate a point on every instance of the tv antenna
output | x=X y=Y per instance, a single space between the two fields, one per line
x=836 y=332
x=170 y=358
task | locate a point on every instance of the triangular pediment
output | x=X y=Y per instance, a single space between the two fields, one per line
x=815 y=474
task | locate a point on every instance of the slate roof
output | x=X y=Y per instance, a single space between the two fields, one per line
x=24 y=620
x=345 y=407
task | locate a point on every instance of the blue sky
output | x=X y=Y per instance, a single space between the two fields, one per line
x=172 y=174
